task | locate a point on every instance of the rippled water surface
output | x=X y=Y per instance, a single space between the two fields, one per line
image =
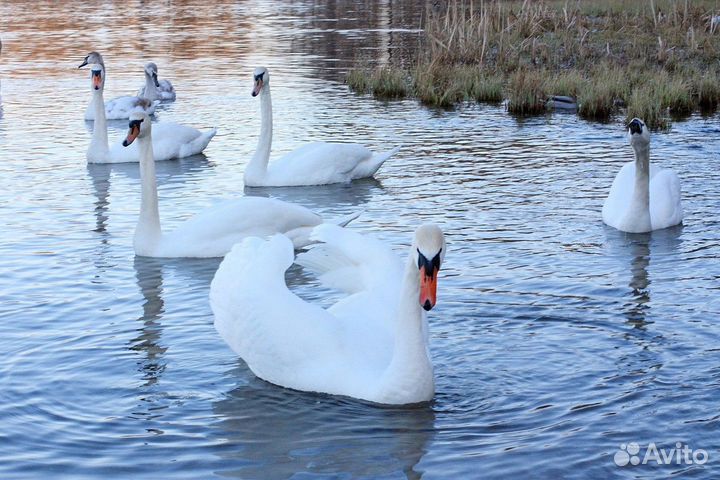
x=555 y=340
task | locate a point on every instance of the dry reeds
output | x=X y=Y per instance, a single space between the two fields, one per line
x=658 y=57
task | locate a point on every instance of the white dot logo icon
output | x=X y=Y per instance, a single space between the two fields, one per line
x=627 y=454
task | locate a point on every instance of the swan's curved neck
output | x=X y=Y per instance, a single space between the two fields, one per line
x=639 y=213
x=410 y=370
x=150 y=88
x=147 y=231
x=257 y=168
x=98 y=148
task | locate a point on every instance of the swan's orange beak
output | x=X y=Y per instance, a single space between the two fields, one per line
x=96 y=79
x=258 y=87
x=428 y=280
x=428 y=288
x=133 y=133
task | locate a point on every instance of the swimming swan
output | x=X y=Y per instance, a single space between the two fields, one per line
x=372 y=344
x=214 y=231
x=118 y=108
x=170 y=140
x=155 y=89
x=642 y=197
x=313 y=163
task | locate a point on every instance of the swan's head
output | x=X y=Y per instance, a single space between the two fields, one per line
x=92 y=58
x=151 y=71
x=97 y=76
x=429 y=252
x=139 y=127
x=260 y=78
x=638 y=133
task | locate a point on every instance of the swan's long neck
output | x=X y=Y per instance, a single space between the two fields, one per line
x=150 y=88
x=147 y=231
x=639 y=212
x=98 y=148
x=257 y=168
x=410 y=371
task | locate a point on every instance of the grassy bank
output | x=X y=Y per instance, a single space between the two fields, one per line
x=655 y=59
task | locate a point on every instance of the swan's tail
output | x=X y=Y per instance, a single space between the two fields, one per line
x=329 y=263
x=198 y=144
x=373 y=164
x=301 y=236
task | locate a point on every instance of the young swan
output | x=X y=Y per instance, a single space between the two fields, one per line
x=372 y=344
x=155 y=89
x=642 y=197
x=212 y=232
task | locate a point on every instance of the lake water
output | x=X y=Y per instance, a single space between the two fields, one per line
x=555 y=339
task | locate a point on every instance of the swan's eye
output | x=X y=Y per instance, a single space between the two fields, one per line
x=259 y=76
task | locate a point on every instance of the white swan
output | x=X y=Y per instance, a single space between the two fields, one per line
x=312 y=164
x=155 y=89
x=642 y=197
x=371 y=345
x=214 y=231
x=170 y=140
x=118 y=108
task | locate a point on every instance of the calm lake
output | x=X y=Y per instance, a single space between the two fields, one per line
x=556 y=340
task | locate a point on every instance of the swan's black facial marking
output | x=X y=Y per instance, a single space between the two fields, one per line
x=259 y=82
x=96 y=76
x=134 y=126
x=431 y=266
x=85 y=62
x=636 y=126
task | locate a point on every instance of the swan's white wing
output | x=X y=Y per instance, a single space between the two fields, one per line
x=317 y=164
x=166 y=87
x=169 y=140
x=618 y=200
x=349 y=261
x=282 y=338
x=665 y=205
x=213 y=232
x=370 y=272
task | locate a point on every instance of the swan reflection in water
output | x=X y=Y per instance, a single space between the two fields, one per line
x=323 y=197
x=270 y=432
x=148 y=272
x=147 y=342
x=641 y=248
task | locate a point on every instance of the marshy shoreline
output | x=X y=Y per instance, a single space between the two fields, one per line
x=657 y=59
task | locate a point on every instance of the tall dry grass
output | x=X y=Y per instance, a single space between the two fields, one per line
x=601 y=52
